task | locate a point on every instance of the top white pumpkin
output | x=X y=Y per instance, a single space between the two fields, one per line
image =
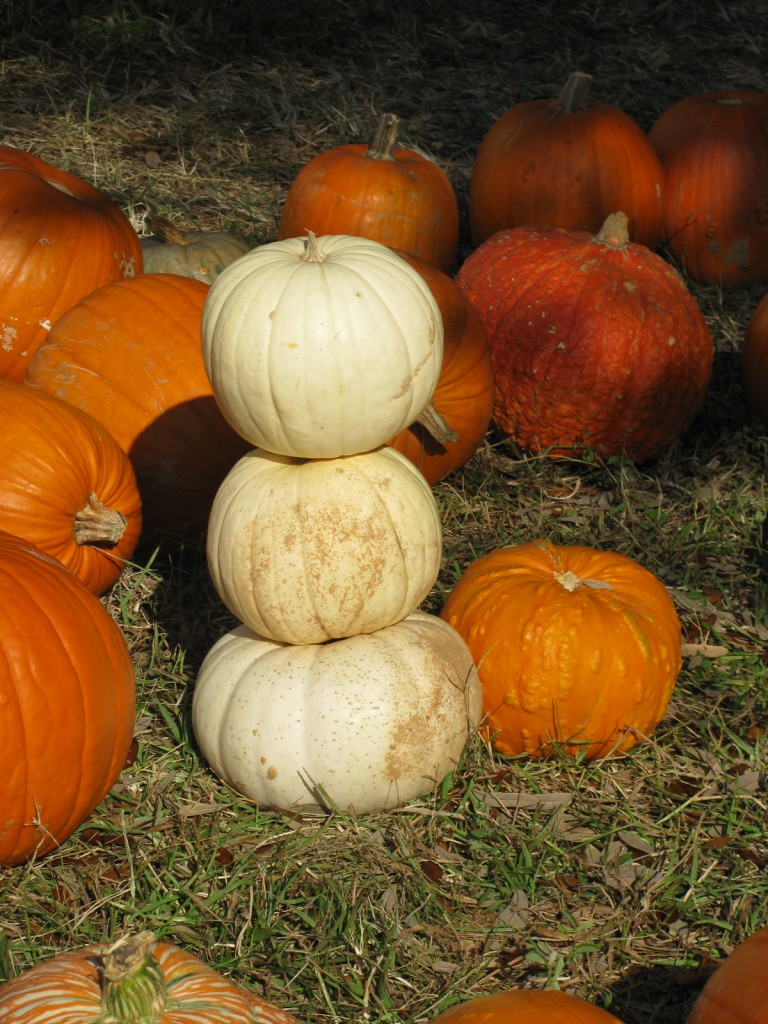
x=318 y=348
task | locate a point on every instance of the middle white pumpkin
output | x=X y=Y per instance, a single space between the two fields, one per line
x=321 y=347
x=304 y=551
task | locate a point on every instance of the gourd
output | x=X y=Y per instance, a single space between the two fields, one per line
x=737 y=992
x=754 y=362
x=321 y=347
x=67 y=695
x=60 y=238
x=129 y=354
x=198 y=254
x=66 y=485
x=525 y=1006
x=395 y=196
x=566 y=163
x=577 y=649
x=360 y=724
x=714 y=154
x=136 y=978
x=304 y=551
x=595 y=342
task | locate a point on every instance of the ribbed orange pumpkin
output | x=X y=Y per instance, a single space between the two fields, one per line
x=714 y=154
x=595 y=342
x=133 y=979
x=67 y=696
x=526 y=1006
x=394 y=196
x=754 y=361
x=464 y=393
x=565 y=163
x=129 y=354
x=59 y=239
x=737 y=993
x=575 y=648
x=66 y=485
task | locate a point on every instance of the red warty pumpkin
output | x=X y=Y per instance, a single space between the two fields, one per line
x=526 y=1006
x=67 y=696
x=59 y=239
x=737 y=993
x=714 y=153
x=595 y=342
x=754 y=361
x=394 y=196
x=565 y=163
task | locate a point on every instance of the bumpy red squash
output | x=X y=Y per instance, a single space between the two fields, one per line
x=526 y=1006
x=575 y=648
x=754 y=361
x=66 y=485
x=392 y=195
x=59 y=239
x=67 y=701
x=133 y=979
x=566 y=163
x=737 y=993
x=464 y=393
x=129 y=354
x=595 y=342
x=714 y=154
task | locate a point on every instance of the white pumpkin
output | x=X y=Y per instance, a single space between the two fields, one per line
x=322 y=347
x=304 y=551
x=361 y=724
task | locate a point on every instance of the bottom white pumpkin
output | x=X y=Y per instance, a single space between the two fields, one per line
x=362 y=724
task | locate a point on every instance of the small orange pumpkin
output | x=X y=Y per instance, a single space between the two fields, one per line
x=737 y=993
x=575 y=648
x=754 y=361
x=526 y=1006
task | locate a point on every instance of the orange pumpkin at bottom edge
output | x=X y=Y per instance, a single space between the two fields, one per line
x=526 y=1006
x=737 y=993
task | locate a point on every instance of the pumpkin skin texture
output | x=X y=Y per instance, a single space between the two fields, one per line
x=365 y=723
x=464 y=392
x=395 y=196
x=66 y=485
x=68 y=701
x=322 y=347
x=59 y=239
x=135 y=978
x=304 y=551
x=198 y=254
x=595 y=342
x=737 y=993
x=129 y=354
x=566 y=163
x=754 y=361
x=525 y=1006
x=714 y=153
x=576 y=648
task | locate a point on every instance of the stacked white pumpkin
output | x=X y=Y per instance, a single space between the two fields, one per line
x=335 y=691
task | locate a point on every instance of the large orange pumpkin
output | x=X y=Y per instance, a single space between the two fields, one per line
x=754 y=361
x=595 y=341
x=714 y=153
x=66 y=485
x=59 y=239
x=392 y=195
x=737 y=993
x=67 y=700
x=129 y=354
x=565 y=163
x=575 y=648
x=464 y=393
x=526 y=1006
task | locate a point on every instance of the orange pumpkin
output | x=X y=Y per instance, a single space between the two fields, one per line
x=129 y=354
x=392 y=195
x=135 y=978
x=464 y=393
x=526 y=1006
x=754 y=361
x=714 y=153
x=737 y=993
x=59 y=239
x=595 y=342
x=67 y=696
x=575 y=648
x=66 y=485
x=565 y=163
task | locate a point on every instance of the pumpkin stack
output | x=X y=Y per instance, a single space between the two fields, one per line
x=335 y=690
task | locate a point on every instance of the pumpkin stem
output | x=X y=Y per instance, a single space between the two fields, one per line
x=615 y=231
x=132 y=981
x=572 y=582
x=575 y=95
x=436 y=425
x=312 y=251
x=167 y=231
x=383 y=145
x=97 y=524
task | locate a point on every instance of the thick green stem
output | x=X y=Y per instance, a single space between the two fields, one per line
x=133 y=985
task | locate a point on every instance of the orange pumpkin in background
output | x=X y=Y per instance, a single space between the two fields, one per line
x=567 y=162
x=737 y=993
x=526 y=1006
x=395 y=196
x=754 y=361
x=59 y=239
